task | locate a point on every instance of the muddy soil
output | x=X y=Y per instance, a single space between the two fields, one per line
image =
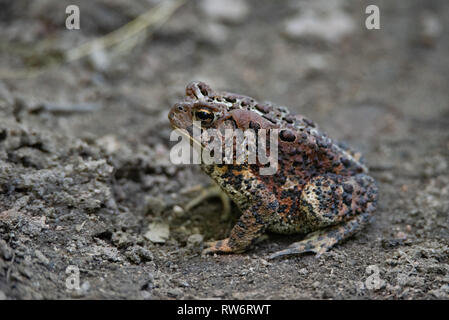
x=85 y=176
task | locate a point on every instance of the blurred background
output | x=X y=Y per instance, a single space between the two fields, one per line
x=85 y=176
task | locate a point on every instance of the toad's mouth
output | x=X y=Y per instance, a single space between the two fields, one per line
x=188 y=133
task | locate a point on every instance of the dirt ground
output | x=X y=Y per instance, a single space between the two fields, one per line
x=85 y=176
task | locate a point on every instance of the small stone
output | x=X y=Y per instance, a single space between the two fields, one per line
x=179 y=211
x=195 y=240
x=215 y=32
x=85 y=286
x=99 y=58
x=82 y=291
x=146 y=295
x=431 y=29
x=121 y=239
x=218 y=293
x=445 y=288
x=79 y=227
x=181 y=283
x=303 y=271
x=174 y=292
x=109 y=142
x=157 y=232
x=137 y=254
x=154 y=205
x=145 y=254
x=401 y=235
x=42 y=258
x=5 y=250
x=327 y=22
x=26 y=272
x=264 y=262
x=230 y=11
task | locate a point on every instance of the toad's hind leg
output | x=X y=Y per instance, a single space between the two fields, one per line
x=337 y=207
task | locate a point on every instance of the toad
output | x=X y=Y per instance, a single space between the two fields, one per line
x=321 y=187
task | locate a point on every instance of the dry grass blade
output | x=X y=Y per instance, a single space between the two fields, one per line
x=154 y=18
x=148 y=22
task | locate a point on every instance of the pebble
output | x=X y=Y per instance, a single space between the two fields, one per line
x=109 y=142
x=174 y=292
x=195 y=239
x=326 y=22
x=85 y=286
x=215 y=32
x=5 y=250
x=430 y=29
x=179 y=211
x=303 y=271
x=264 y=262
x=157 y=232
x=146 y=295
x=99 y=59
x=230 y=11
x=42 y=258
x=154 y=205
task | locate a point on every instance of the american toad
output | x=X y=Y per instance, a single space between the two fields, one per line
x=321 y=187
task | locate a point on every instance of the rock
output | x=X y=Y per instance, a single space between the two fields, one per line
x=181 y=283
x=5 y=94
x=327 y=22
x=215 y=32
x=431 y=29
x=176 y=292
x=264 y=262
x=42 y=258
x=154 y=205
x=99 y=59
x=146 y=295
x=195 y=240
x=177 y=210
x=157 y=232
x=109 y=142
x=5 y=250
x=121 y=239
x=230 y=11
x=85 y=287
x=82 y=291
x=303 y=271
x=137 y=254
x=25 y=271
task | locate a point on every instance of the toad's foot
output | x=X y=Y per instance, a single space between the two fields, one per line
x=220 y=246
x=321 y=241
x=212 y=192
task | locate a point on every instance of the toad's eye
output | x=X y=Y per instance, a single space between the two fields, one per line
x=205 y=116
